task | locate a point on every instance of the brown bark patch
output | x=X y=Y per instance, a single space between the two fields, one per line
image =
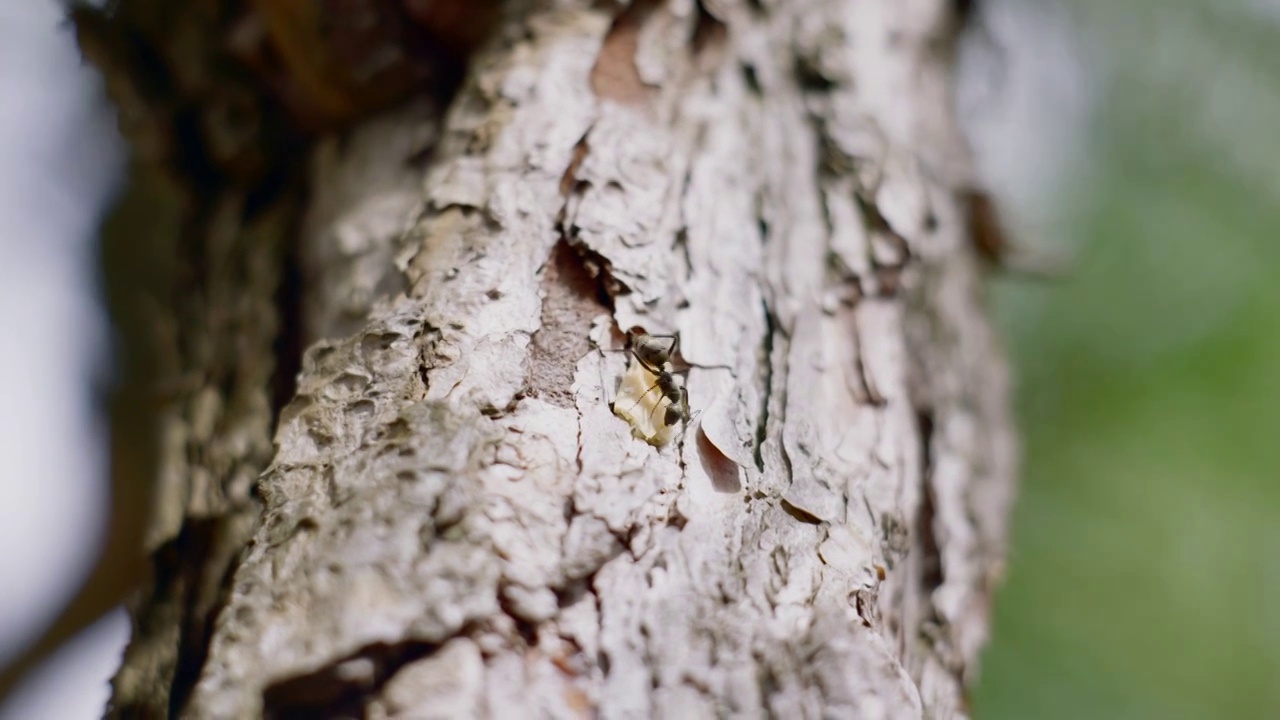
x=568 y=305
x=615 y=75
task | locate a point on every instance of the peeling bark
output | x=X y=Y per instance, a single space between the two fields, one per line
x=454 y=522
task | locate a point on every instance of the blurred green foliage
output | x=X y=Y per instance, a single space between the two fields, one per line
x=1144 y=577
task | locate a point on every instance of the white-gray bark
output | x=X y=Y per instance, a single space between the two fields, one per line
x=456 y=524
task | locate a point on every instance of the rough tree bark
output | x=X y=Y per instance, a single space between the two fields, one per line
x=452 y=522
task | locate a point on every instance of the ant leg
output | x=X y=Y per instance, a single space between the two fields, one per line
x=643 y=395
x=645 y=364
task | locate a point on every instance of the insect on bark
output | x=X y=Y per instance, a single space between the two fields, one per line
x=651 y=369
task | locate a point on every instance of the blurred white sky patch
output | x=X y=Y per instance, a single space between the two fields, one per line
x=59 y=159
x=75 y=683
x=1026 y=92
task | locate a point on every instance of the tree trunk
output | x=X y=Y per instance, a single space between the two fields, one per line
x=454 y=523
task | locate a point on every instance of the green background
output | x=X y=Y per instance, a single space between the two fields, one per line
x=1144 y=578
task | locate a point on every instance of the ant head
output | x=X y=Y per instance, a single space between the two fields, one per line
x=655 y=351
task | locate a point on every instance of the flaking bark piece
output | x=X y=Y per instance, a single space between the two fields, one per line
x=641 y=403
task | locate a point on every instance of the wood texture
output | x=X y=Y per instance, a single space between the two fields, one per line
x=455 y=523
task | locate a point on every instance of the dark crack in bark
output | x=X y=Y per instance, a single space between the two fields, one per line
x=931 y=570
x=766 y=364
x=341 y=689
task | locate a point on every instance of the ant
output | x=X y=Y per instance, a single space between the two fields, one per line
x=655 y=356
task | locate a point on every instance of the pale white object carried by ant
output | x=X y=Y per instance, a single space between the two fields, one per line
x=650 y=397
